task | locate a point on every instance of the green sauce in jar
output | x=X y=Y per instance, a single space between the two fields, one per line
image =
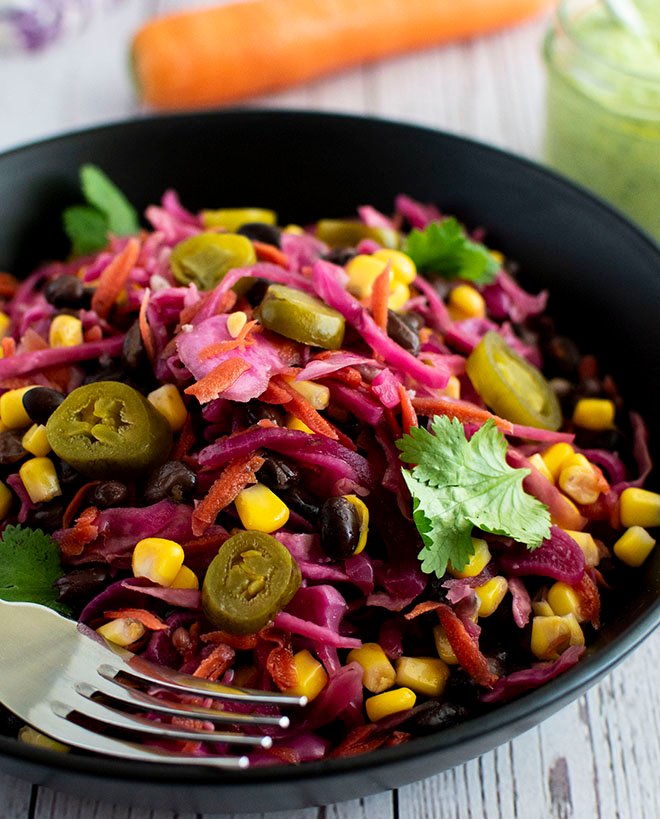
x=603 y=119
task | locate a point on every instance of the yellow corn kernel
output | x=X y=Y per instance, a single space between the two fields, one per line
x=363 y=516
x=466 y=302
x=379 y=673
x=123 y=631
x=536 y=460
x=6 y=500
x=579 y=480
x=312 y=677
x=29 y=736
x=550 y=636
x=318 y=395
x=295 y=423
x=260 y=509
x=423 y=675
x=564 y=600
x=294 y=230
x=5 y=323
x=35 y=441
x=402 y=266
x=594 y=413
x=3 y=427
x=40 y=479
x=362 y=271
x=443 y=646
x=638 y=507
x=555 y=456
x=167 y=400
x=65 y=331
x=542 y=608
x=453 y=388
x=477 y=562
x=634 y=546
x=399 y=295
x=390 y=702
x=158 y=559
x=232 y=218
x=185 y=579
x=588 y=545
x=235 y=323
x=12 y=411
x=577 y=635
x=490 y=595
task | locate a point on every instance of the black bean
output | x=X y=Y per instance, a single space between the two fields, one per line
x=255 y=411
x=340 y=255
x=172 y=480
x=302 y=503
x=81 y=583
x=434 y=714
x=413 y=320
x=68 y=476
x=256 y=293
x=41 y=402
x=276 y=473
x=400 y=332
x=561 y=356
x=65 y=291
x=11 y=448
x=133 y=353
x=47 y=516
x=108 y=494
x=261 y=232
x=340 y=527
x=611 y=439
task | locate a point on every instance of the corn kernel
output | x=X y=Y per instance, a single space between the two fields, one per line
x=402 y=266
x=638 y=507
x=3 y=427
x=564 y=600
x=318 y=395
x=490 y=595
x=466 y=302
x=65 y=331
x=40 y=479
x=390 y=702
x=5 y=324
x=555 y=456
x=235 y=323
x=594 y=413
x=312 y=677
x=158 y=559
x=579 y=480
x=6 y=500
x=588 y=545
x=362 y=271
x=363 y=516
x=123 y=631
x=634 y=546
x=232 y=218
x=399 y=295
x=260 y=509
x=453 y=388
x=536 y=460
x=296 y=424
x=12 y=411
x=542 y=608
x=477 y=562
x=550 y=636
x=167 y=400
x=185 y=579
x=443 y=646
x=35 y=441
x=29 y=736
x=294 y=230
x=423 y=675
x=577 y=635
x=379 y=673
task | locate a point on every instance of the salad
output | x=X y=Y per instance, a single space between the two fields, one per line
x=352 y=460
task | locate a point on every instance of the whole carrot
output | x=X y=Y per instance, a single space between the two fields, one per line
x=219 y=55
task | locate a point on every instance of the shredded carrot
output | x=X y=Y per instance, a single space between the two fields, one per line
x=243 y=339
x=392 y=423
x=235 y=477
x=281 y=666
x=270 y=253
x=218 y=380
x=114 y=278
x=143 y=616
x=215 y=665
x=463 y=410
x=588 y=600
x=305 y=412
x=73 y=541
x=380 y=294
x=422 y=608
x=8 y=285
x=274 y=394
x=408 y=414
x=94 y=333
x=76 y=501
x=465 y=648
x=186 y=439
x=349 y=376
x=210 y=543
x=145 y=330
x=241 y=642
x=8 y=346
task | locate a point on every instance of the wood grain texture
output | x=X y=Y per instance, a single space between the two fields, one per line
x=599 y=758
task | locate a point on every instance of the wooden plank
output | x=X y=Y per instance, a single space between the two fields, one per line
x=15 y=798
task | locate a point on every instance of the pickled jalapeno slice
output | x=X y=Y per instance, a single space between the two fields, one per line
x=301 y=317
x=349 y=233
x=249 y=581
x=206 y=258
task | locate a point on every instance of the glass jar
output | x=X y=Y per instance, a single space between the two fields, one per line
x=603 y=106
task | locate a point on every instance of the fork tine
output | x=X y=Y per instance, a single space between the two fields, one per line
x=138 y=699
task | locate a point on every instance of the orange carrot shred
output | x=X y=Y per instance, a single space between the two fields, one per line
x=380 y=293
x=76 y=501
x=114 y=278
x=8 y=346
x=463 y=410
x=215 y=665
x=408 y=414
x=235 y=477
x=242 y=340
x=270 y=253
x=220 y=378
x=94 y=333
x=145 y=330
x=186 y=439
x=305 y=412
x=143 y=616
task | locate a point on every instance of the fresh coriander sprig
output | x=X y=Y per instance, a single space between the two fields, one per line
x=458 y=484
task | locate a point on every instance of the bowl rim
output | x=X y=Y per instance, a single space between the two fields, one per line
x=518 y=712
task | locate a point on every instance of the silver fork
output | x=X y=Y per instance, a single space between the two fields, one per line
x=75 y=687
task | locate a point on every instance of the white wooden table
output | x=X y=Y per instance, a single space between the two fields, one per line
x=600 y=757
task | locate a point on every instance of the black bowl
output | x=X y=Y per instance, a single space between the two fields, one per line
x=604 y=277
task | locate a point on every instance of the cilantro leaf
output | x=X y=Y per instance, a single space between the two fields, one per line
x=444 y=248
x=29 y=566
x=457 y=484
x=107 y=211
